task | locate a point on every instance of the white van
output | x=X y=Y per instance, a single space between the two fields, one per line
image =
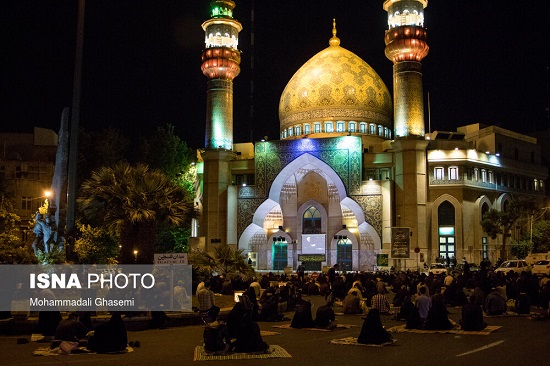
x=534 y=257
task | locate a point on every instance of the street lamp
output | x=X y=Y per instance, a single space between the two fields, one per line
x=135 y=255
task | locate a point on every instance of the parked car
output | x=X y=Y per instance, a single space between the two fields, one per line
x=517 y=265
x=437 y=268
x=459 y=269
x=541 y=267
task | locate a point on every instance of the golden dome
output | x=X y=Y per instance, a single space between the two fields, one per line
x=335 y=85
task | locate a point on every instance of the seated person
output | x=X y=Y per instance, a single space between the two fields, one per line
x=405 y=310
x=352 y=304
x=270 y=309
x=438 y=318
x=302 y=317
x=109 y=337
x=381 y=302
x=249 y=338
x=325 y=317
x=401 y=296
x=71 y=329
x=472 y=316
x=205 y=297
x=217 y=338
x=413 y=320
x=495 y=303
x=522 y=304
x=372 y=331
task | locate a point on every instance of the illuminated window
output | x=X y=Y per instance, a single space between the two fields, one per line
x=352 y=127
x=340 y=127
x=476 y=174
x=536 y=184
x=363 y=127
x=329 y=127
x=372 y=129
x=438 y=173
x=317 y=127
x=380 y=131
x=298 y=130
x=483 y=175
x=453 y=173
x=284 y=133
x=491 y=176
x=290 y=131
x=307 y=129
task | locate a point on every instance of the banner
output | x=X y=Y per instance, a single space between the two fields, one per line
x=171 y=258
x=95 y=287
x=400 y=243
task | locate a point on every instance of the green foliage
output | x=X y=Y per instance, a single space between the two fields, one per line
x=132 y=202
x=225 y=261
x=56 y=255
x=96 y=246
x=12 y=250
x=173 y=240
x=541 y=236
x=168 y=153
x=520 y=250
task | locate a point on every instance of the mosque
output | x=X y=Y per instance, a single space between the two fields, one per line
x=354 y=178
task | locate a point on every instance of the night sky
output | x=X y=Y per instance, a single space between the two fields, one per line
x=488 y=61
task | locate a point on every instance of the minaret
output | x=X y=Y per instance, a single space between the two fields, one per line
x=406 y=46
x=220 y=64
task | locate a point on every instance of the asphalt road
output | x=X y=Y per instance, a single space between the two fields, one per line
x=520 y=341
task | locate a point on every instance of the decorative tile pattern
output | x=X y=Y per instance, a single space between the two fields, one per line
x=372 y=207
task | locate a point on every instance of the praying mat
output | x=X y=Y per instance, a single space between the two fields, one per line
x=508 y=314
x=47 y=351
x=275 y=352
x=338 y=326
x=342 y=314
x=401 y=329
x=352 y=341
x=37 y=337
x=265 y=333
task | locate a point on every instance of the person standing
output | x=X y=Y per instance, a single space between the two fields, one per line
x=300 y=271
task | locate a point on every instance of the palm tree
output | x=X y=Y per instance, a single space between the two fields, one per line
x=131 y=202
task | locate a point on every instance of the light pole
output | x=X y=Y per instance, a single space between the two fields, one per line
x=135 y=255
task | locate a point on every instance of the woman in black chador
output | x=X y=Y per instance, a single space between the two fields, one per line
x=372 y=331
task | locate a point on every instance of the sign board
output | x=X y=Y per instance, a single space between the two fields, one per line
x=382 y=260
x=400 y=242
x=171 y=258
x=312 y=258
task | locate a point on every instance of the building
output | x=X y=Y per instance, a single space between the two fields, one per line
x=354 y=178
x=27 y=168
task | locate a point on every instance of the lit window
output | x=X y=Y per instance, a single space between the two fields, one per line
x=372 y=129
x=491 y=176
x=307 y=129
x=290 y=131
x=438 y=173
x=483 y=175
x=340 y=126
x=298 y=130
x=453 y=173
x=329 y=127
x=317 y=127
x=363 y=127
x=352 y=127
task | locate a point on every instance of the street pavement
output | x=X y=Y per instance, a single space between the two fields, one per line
x=520 y=341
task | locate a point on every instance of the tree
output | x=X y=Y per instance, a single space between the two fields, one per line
x=96 y=246
x=12 y=250
x=133 y=202
x=541 y=236
x=496 y=222
x=225 y=261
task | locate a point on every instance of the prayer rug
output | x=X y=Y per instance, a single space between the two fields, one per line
x=338 y=326
x=508 y=314
x=47 y=351
x=486 y=331
x=352 y=341
x=275 y=352
x=265 y=333
x=342 y=314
